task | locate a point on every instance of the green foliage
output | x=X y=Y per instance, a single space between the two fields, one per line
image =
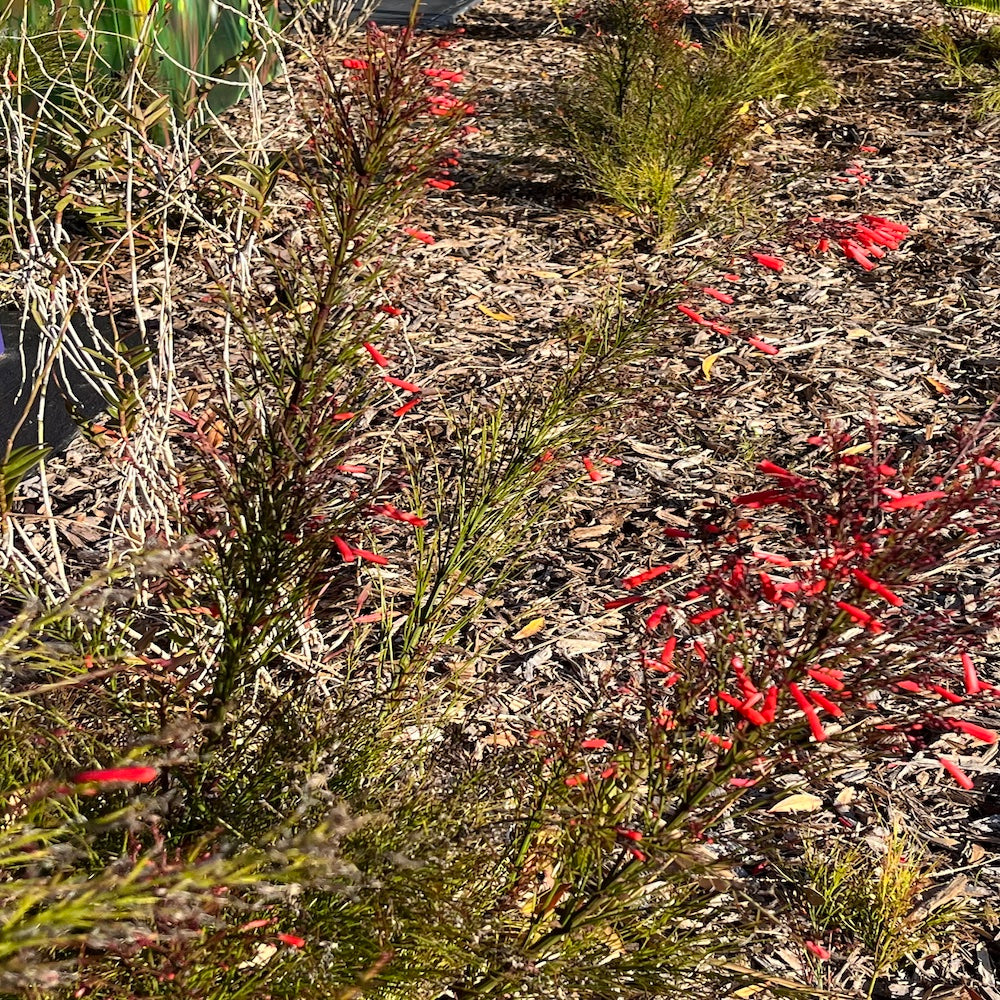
x=982 y=6
x=652 y=118
x=190 y=51
x=876 y=898
x=973 y=56
x=486 y=501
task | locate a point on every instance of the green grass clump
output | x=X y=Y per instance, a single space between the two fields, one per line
x=877 y=900
x=653 y=117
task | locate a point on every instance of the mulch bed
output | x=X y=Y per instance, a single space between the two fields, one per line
x=914 y=342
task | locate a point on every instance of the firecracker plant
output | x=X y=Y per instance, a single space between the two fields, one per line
x=233 y=766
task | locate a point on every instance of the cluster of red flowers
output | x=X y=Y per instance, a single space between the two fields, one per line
x=834 y=602
x=855 y=173
x=862 y=240
x=715 y=324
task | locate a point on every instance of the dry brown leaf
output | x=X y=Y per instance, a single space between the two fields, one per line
x=500 y=740
x=591 y=531
x=938 y=386
x=571 y=646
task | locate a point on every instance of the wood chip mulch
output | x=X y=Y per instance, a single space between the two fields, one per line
x=914 y=341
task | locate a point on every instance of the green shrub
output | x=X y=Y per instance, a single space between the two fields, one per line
x=653 y=116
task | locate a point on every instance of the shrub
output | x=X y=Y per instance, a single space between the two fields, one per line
x=873 y=897
x=654 y=118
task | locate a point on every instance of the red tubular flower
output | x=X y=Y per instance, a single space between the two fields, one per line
x=623 y=602
x=656 y=617
x=130 y=775
x=819 y=733
x=961 y=778
x=762 y=345
x=352 y=469
x=716 y=294
x=876 y=588
x=640 y=578
x=857 y=253
x=826 y=677
x=971 y=729
x=677 y=533
x=719 y=741
x=765 y=498
x=766 y=260
x=345 y=550
x=946 y=694
x=371 y=557
x=354 y=64
x=774 y=560
x=825 y=703
x=419 y=234
x=861 y=617
x=594 y=744
x=401 y=383
x=376 y=355
x=882 y=223
x=817 y=949
x=406 y=407
x=913 y=500
x=576 y=779
x=770 y=706
x=667 y=653
x=390 y=311
x=391 y=511
x=747 y=686
x=592 y=472
x=969 y=675
x=253 y=925
x=750 y=714
x=717 y=327
x=292 y=940
x=691 y=313
x=441 y=185
x=703 y=616
x=633 y=835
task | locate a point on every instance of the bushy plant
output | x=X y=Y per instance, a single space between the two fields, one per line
x=653 y=117
x=875 y=896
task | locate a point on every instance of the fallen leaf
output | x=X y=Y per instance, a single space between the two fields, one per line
x=500 y=740
x=708 y=363
x=844 y=797
x=532 y=628
x=500 y=317
x=798 y=803
x=940 y=387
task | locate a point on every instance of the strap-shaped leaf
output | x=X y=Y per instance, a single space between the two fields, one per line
x=19 y=463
